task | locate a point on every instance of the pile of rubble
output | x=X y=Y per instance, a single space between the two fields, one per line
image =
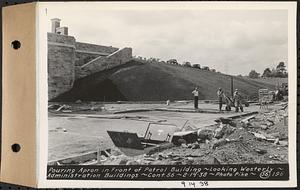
x=260 y=138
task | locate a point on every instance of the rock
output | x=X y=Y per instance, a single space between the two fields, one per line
x=181 y=141
x=183 y=145
x=219 y=132
x=204 y=134
x=260 y=151
x=259 y=136
x=195 y=146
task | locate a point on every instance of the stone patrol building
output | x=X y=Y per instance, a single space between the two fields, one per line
x=69 y=60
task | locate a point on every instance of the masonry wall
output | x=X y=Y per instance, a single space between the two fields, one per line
x=106 y=62
x=61 y=64
x=83 y=58
x=69 y=60
x=86 y=47
x=86 y=52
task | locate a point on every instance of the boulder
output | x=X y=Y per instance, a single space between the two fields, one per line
x=204 y=134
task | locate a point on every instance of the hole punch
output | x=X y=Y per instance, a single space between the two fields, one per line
x=15 y=147
x=16 y=44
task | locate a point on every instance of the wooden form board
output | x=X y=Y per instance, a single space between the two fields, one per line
x=19 y=95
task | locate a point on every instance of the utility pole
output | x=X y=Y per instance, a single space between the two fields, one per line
x=231 y=85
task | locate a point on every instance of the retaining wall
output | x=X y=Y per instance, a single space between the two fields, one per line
x=102 y=63
x=61 y=64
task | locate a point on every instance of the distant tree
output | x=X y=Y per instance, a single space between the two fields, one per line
x=281 y=67
x=197 y=66
x=172 y=61
x=267 y=72
x=205 y=68
x=213 y=70
x=281 y=70
x=273 y=72
x=253 y=74
x=187 y=64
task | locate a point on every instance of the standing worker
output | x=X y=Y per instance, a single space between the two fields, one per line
x=220 y=95
x=196 y=94
x=237 y=98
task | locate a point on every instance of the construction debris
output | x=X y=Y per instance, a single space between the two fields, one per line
x=246 y=138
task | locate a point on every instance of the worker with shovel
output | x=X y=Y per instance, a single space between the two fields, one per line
x=237 y=98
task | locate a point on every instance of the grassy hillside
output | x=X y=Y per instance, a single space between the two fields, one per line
x=273 y=81
x=138 y=81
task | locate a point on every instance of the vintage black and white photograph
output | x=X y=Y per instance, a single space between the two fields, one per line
x=167 y=86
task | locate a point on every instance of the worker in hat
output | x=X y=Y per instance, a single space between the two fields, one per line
x=220 y=95
x=237 y=98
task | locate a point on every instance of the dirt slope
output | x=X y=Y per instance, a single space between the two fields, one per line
x=136 y=81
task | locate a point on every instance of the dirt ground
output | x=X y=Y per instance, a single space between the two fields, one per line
x=262 y=139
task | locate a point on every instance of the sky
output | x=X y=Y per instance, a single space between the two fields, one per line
x=232 y=41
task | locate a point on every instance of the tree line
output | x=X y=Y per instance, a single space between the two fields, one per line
x=278 y=72
x=174 y=62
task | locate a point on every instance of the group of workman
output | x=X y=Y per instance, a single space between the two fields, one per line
x=237 y=99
